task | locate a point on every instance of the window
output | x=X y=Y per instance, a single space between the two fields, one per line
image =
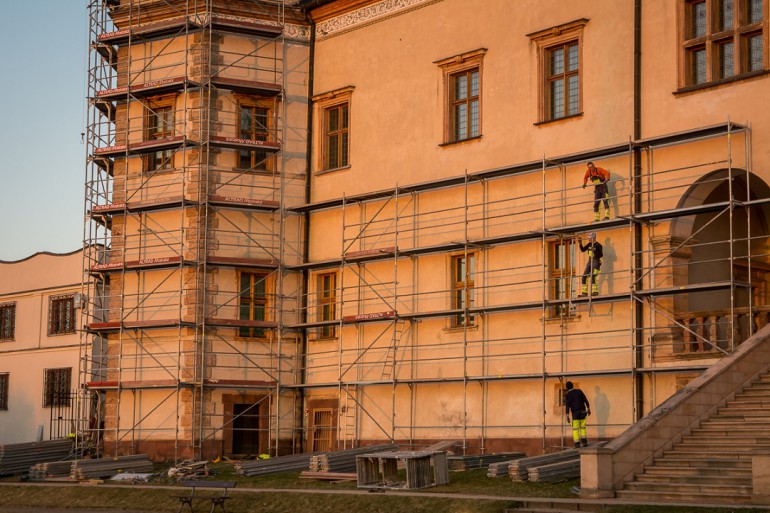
x=465 y=105
x=336 y=135
x=562 y=257
x=559 y=64
x=563 y=81
x=462 y=288
x=333 y=129
x=462 y=84
x=721 y=39
x=4 y=391
x=252 y=303
x=159 y=125
x=253 y=122
x=7 y=321
x=61 y=315
x=327 y=303
x=56 y=388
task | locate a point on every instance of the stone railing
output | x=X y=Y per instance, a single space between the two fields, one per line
x=704 y=332
x=605 y=469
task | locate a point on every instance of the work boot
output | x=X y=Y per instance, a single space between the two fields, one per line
x=585 y=442
x=596 y=216
x=577 y=445
x=606 y=216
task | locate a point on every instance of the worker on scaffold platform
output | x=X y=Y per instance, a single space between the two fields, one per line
x=593 y=266
x=599 y=177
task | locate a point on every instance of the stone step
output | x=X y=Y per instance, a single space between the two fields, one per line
x=743 y=472
x=749 y=403
x=692 y=488
x=744 y=480
x=702 y=463
x=732 y=441
x=740 y=416
x=713 y=454
x=671 y=496
x=737 y=425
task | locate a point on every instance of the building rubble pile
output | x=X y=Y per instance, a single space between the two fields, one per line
x=471 y=462
x=189 y=469
x=108 y=467
x=15 y=458
x=345 y=461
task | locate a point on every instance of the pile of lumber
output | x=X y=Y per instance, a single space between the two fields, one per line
x=500 y=468
x=344 y=461
x=15 y=458
x=555 y=472
x=275 y=465
x=50 y=470
x=329 y=476
x=108 y=467
x=470 y=462
x=519 y=469
x=189 y=469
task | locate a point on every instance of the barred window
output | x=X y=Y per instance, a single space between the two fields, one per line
x=56 y=388
x=61 y=315
x=7 y=321
x=4 y=391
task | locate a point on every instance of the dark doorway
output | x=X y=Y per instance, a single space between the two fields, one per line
x=246 y=429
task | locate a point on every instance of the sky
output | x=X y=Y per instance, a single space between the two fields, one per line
x=42 y=114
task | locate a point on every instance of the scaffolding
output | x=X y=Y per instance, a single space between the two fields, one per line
x=226 y=314
x=196 y=148
x=472 y=282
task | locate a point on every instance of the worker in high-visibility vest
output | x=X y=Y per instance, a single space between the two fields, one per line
x=599 y=177
x=593 y=266
x=576 y=403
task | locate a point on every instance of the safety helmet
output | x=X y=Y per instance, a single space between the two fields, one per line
x=569 y=385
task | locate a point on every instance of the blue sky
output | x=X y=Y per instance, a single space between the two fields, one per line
x=42 y=114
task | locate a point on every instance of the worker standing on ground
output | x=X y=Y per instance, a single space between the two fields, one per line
x=593 y=266
x=576 y=403
x=599 y=177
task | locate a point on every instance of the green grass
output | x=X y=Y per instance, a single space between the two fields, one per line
x=129 y=496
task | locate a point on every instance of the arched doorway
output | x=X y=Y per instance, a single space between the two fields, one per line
x=714 y=249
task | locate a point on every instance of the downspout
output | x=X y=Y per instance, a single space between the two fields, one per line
x=638 y=261
x=306 y=233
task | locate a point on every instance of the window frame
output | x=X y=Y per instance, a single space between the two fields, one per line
x=463 y=290
x=255 y=301
x=260 y=159
x=327 y=304
x=559 y=274
x=162 y=160
x=324 y=103
x=55 y=325
x=452 y=67
x=7 y=322
x=59 y=378
x=714 y=41
x=5 y=380
x=550 y=39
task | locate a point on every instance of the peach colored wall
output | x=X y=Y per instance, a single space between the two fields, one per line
x=30 y=283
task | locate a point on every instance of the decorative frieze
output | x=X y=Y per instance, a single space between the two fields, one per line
x=368 y=15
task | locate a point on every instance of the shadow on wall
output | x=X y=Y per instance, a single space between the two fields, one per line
x=601 y=408
x=607 y=276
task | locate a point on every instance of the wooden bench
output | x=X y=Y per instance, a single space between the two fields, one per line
x=216 y=500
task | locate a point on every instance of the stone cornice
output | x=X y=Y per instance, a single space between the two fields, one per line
x=367 y=15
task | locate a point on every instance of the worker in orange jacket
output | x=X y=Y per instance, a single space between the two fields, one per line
x=599 y=177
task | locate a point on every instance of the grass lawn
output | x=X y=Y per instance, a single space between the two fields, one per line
x=133 y=497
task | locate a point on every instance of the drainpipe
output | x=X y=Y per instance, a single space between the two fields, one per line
x=639 y=307
x=306 y=231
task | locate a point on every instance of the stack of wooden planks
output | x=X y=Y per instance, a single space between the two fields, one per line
x=108 y=467
x=471 y=462
x=519 y=469
x=15 y=458
x=275 y=465
x=344 y=461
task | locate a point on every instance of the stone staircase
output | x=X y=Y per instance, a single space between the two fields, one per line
x=713 y=463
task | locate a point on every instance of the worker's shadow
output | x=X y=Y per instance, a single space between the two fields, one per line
x=606 y=281
x=602 y=411
x=615 y=187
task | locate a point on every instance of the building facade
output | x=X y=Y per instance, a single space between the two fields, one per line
x=333 y=223
x=39 y=346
